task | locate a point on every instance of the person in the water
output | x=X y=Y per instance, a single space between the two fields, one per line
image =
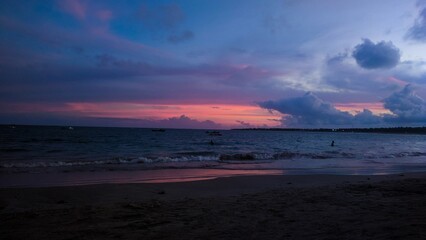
x=332 y=143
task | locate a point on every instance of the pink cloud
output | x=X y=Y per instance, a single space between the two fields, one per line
x=396 y=81
x=74 y=7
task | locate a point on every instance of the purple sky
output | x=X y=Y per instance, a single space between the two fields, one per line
x=213 y=64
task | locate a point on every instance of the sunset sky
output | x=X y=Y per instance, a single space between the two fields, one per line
x=213 y=64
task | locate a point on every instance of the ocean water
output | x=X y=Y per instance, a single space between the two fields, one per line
x=37 y=149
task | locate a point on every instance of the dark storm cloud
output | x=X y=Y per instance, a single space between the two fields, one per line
x=366 y=117
x=308 y=104
x=311 y=111
x=406 y=105
x=418 y=30
x=341 y=74
x=383 y=54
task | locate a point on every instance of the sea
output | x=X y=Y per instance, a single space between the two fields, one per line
x=57 y=156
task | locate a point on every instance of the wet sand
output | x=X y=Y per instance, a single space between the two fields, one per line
x=249 y=207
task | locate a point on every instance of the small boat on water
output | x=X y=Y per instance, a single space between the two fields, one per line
x=158 y=130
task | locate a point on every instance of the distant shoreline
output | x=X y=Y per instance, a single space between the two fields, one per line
x=398 y=130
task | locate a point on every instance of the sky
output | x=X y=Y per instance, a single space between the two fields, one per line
x=213 y=64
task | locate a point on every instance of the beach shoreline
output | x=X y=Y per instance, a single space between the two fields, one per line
x=254 y=207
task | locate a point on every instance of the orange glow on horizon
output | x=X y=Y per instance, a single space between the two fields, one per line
x=353 y=108
x=226 y=115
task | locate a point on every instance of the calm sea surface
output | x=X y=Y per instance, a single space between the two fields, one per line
x=35 y=149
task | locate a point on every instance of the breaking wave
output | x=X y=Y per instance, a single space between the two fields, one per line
x=210 y=157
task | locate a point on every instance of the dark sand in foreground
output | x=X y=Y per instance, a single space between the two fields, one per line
x=257 y=207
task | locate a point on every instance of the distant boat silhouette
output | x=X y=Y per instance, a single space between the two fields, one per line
x=158 y=130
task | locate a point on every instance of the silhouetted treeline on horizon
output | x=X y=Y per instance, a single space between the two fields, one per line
x=401 y=130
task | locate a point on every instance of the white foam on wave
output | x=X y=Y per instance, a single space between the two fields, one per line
x=190 y=158
x=248 y=157
x=263 y=156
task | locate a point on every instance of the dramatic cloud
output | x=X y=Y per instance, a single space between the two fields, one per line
x=201 y=53
x=366 y=117
x=406 y=105
x=418 y=30
x=311 y=111
x=343 y=75
x=380 y=55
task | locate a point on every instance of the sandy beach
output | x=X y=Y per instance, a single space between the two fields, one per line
x=249 y=207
